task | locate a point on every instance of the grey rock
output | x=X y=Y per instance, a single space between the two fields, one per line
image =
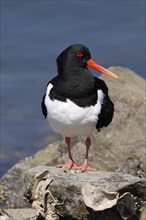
x=19 y=214
x=4 y=215
x=75 y=195
x=132 y=166
x=143 y=213
x=126 y=205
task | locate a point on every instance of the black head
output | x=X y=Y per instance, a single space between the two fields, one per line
x=75 y=55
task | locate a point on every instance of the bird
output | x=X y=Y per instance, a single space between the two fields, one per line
x=76 y=103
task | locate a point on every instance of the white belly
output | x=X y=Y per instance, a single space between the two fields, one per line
x=69 y=119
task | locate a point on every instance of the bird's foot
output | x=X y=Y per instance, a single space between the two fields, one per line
x=70 y=165
x=84 y=167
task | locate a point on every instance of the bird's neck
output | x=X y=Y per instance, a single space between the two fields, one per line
x=77 y=80
x=77 y=73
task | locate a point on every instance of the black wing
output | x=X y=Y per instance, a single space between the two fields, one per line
x=44 y=109
x=43 y=106
x=107 y=113
x=107 y=107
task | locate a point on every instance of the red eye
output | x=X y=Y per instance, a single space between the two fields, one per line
x=79 y=54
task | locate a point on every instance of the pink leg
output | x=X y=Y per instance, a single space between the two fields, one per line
x=85 y=166
x=70 y=164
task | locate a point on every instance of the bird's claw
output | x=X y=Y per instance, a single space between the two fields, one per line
x=72 y=165
x=69 y=165
x=84 y=168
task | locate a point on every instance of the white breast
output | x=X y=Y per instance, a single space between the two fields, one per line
x=69 y=119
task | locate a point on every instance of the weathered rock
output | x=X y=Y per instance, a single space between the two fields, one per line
x=59 y=193
x=111 y=148
x=143 y=213
x=132 y=166
x=19 y=214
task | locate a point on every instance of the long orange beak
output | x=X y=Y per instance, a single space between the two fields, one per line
x=91 y=63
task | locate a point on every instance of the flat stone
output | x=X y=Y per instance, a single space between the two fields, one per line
x=71 y=194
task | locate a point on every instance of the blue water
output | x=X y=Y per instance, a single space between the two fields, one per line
x=33 y=33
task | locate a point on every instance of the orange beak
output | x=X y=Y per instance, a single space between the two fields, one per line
x=91 y=63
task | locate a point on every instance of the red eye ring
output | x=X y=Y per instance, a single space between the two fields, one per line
x=79 y=54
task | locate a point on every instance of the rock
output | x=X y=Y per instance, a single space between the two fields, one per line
x=19 y=214
x=4 y=215
x=120 y=146
x=126 y=205
x=75 y=195
x=132 y=166
x=123 y=138
x=98 y=199
x=143 y=213
x=11 y=186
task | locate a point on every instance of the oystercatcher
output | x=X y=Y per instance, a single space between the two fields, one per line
x=76 y=102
